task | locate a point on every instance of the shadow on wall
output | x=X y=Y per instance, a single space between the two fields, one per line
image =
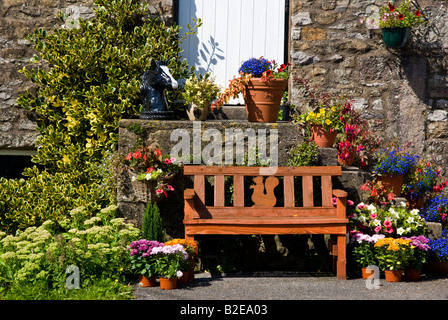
x=425 y=58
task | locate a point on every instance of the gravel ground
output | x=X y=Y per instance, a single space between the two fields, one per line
x=296 y=287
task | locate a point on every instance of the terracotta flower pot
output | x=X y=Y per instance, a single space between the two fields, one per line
x=185 y=277
x=411 y=274
x=147 y=282
x=322 y=138
x=366 y=272
x=393 y=275
x=263 y=99
x=395 y=182
x=168 y=284
x=349 y=161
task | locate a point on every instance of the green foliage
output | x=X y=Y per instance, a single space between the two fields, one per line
x=304 y=154
x=41 y=255
x=152 y=223
x=93 y=79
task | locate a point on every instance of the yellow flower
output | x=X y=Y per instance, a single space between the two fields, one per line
x=322 y=110
x=328 y=121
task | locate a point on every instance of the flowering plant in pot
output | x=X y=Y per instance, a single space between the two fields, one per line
x=141 y=258
x=387 y=220
x=149 y=164
x=392 y=165
x=191 y=247
x=199 y=92
x=425 y=179
x=364 y=249
x=169 y=260
x=393 y=255
x=420 y=250
x=262 y=83
x=436 y=210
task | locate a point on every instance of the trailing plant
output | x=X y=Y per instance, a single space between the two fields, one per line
x=152 y=228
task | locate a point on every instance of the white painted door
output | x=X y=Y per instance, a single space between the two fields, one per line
x=232 y=32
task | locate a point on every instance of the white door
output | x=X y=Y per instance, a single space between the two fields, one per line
x=232 y=32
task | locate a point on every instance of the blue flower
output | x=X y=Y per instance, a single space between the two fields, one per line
x=256 y=67
x=394 y=162
x=439 y=249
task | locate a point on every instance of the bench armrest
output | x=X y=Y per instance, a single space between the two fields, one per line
x=340 y=193
x=189 y=194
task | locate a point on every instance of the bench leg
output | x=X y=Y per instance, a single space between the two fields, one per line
x=341 y=262
x=188 y=237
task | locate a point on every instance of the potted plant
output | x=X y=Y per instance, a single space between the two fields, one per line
x=142 y=262
x=199 y=92
x=151 y=173
x=192 y=249
x=438 y=256
x=169 y=260
x=262 y=83
x=387 y=220
x=393 y=256
x=396 y=22
x=421 y=181
x=391 y=166
x=364 y=250
x=420 y=249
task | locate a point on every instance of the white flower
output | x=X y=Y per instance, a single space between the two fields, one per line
x=376 y=222
x=148 y=176
x=133 y=178
x=179 y=274
x=371 y=208
x=415 y=212
x=400 y=231
x=403 y=204
x=410 y=220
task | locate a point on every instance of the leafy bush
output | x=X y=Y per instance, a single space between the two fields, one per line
x=93 y=79
x=304 y=154
x=41 y=255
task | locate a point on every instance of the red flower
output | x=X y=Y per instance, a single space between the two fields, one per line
x=268 y=73
x=401 y=16
x=418 y=13
x=391 y=7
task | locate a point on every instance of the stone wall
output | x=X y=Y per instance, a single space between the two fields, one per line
x=403 y=92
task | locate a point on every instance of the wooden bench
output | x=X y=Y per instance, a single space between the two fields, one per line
x=263 y=217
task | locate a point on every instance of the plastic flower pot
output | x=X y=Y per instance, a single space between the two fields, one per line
x=263 y=99
x=393 y=275
x=395 y=37
x=168 y=284
x=147 y=282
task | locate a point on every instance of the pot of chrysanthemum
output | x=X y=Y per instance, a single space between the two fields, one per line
x=168 y=283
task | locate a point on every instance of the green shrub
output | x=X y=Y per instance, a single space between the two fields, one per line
x=93 y=80
x=152 y=223
x=304 y=154
x=41 y=255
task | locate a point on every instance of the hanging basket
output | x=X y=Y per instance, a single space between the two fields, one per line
x=145 y=190
x=395 y=37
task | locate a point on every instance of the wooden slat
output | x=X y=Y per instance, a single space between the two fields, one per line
x=238 y=191
x=327 y=191
x=288 y=187
x=272 y=212
x=268 y=220
x=307 y=191
x=199 y=187
x=219 y=190
x=266 y=229
x=255 y=171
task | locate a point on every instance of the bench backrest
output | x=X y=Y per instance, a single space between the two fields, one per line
x=264 y=181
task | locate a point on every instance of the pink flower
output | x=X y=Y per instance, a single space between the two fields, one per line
x=170 y=188
x=387 y=224
x=373 y=216
x=350 y=202
x=361 y=206
x=159 y=191
x=389 y=230
x=334 y=201
x=377 y=229
x=168 y=161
